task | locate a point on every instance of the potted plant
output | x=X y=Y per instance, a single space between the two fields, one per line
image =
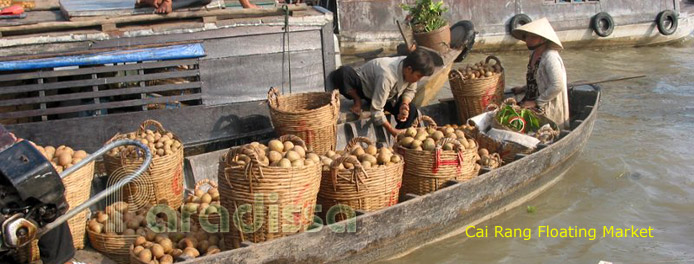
x=430 y=28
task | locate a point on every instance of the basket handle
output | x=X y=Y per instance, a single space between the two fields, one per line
x=335 y=102
x=294 y=139
x=455 y=74
x=510 y=101
x=490 y=107
x=456 y=143
x=357 y=140
x=498 y=61
x=202 y=182
x=358 y=169
x=273 y=97
x=250 y=151
x=151 y=122
x=427 y=119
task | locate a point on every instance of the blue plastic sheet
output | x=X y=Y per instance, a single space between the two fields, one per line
x=186 y=51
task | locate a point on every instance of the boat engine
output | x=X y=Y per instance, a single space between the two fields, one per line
x=32 y=200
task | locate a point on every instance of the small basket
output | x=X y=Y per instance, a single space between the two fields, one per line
x=292 y=189
x=506 y=149
x=115 y=247
x=165 y=173
x=426 y=171
x=212 y=218
x=360 y=189
x=473 y=96
x=78 y=187
x=311 y=116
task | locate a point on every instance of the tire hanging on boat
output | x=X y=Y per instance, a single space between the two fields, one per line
x=519 y=20
x=665 y=17
x=602 y=24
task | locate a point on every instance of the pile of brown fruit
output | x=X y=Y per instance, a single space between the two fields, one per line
x=480 y=70
x=168 y=248
x=118 y=219
x=489 y=160
x=200 y=201
x=370 y=157
x=61 y=157
x=277 y=154
x=428 y=138
x=159 y=144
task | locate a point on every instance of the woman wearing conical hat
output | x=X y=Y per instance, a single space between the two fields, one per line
x=545 y=87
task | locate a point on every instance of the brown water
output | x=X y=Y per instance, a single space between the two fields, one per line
x=635 y=170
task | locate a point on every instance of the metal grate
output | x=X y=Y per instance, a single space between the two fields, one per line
x=72 y=92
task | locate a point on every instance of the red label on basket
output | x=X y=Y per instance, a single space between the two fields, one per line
x=490 y=96
x=438 y=162
x=394 y=195
x=176 y=185
x=303 y=127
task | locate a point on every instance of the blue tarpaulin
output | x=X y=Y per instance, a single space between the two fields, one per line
x=186 y=51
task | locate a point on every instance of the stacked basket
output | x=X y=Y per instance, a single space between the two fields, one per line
x=165 y=171
x=359 y=188
x=427 y=171
x=257 y=190
x=311 y=116
x=472 y=95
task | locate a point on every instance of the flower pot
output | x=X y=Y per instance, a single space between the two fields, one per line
x=439 y=40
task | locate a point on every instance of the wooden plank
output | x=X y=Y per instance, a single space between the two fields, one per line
x=81 y=8
x=91 y=70
x=83 y=83
x=261 y=44
x=224 y=84
x=96 y=93
x=34 y=17
x=110 y=105
x=328 y=48
x=51 y=26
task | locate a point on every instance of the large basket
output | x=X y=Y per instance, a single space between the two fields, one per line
x=286 y=190
x=360 y=189
x=165 y=172
x=115 y=247
x=427 y=171
x=311 y=116
x=473 y=96
x=78 y=187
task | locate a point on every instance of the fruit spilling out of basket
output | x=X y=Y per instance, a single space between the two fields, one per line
x=428 y=138
x=200 y=201
x=62 y=157
x=369 y=157
x=119 y=219
x=480 y=70
x=284 y=154
x=489 y=160
x=167 y=248
x=160 y=144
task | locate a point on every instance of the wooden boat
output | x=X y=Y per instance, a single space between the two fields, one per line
x=418 y=220
x=365 y=24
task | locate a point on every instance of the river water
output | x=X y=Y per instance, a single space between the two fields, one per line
x=635 y=170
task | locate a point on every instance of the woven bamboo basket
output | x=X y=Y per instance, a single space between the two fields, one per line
x=473 y=96
x=213 y=219
x=369 y=189
x=78 y=187
x=115 y=247
x=426 y=171
x=165 y=172
x=311 y=116
x=287 y=190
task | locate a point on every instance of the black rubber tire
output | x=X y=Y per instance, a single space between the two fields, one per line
x=519 y=20
x=602 y=24
x=463 y=37
x=662 y=18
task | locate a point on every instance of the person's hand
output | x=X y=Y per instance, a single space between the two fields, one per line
x=518 y=89
x=404 y=112
x=529 y=104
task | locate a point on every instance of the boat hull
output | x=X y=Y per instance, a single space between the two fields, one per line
x=430 y=218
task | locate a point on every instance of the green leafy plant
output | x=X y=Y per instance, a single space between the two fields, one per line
x=523 y=122
x=425 y=15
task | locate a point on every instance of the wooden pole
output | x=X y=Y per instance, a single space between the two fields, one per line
x=153 y=17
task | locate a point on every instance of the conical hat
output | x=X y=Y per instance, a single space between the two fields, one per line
x=540 y=27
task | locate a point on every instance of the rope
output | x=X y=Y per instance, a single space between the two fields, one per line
x=285 y=48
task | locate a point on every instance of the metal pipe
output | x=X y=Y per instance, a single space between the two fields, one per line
x=110 y=190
